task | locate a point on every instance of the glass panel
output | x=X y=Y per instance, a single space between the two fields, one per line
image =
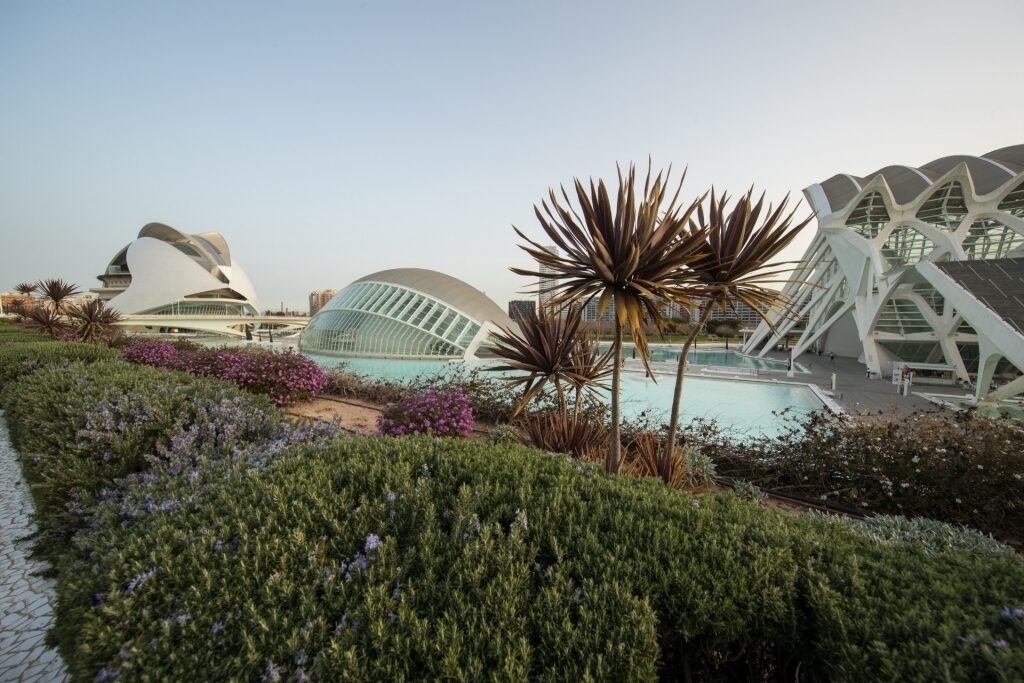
x=905 y=246
x=869 y=217
x=989 y=239
x=1013 y=203
x=945 y=208
x=900 y=316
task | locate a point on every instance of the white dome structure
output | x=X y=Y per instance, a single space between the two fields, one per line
x=167 y=272
x=405 y=313
x=921 y=268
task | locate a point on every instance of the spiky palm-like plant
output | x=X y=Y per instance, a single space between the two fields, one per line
x=550 y=349
x=26 y=288
x=46 y=320
x=57 y=292
x=624 y=253
x=93 y=319
x=735 y=264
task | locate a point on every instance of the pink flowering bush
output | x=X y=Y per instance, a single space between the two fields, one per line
x=429 y=411
x=285 y=377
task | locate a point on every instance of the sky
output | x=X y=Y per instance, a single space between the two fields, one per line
x=327 y=141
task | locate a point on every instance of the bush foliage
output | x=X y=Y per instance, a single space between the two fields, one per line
x=440 y=413
x=214 y=540
x=17 y=359
x=382 y=559
x=285 y=377
x=959 y=468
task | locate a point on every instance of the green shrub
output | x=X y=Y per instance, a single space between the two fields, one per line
x=21 y=358
x=387 y=559
x=10 y=334
x=80 y=427
x=934 y=536
x=959 y=468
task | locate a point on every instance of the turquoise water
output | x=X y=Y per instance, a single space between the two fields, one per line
x=742 y=407
x=717 y=357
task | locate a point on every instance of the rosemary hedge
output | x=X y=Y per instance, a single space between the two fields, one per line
x=238 y=553
x=389 y=559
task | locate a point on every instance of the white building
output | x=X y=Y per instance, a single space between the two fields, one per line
x=917 y=266
x=167 y=272
x=405 y=313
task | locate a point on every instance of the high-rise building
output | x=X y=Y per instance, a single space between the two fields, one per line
x=547 y=280
x=521 y=308
x=319 y=298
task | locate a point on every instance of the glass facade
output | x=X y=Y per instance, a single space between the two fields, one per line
x=901 y=316
x=989 y=239
x=380 y=319
x=204 y=308
x=869 y=217
x=905 y=246
x=946 y=208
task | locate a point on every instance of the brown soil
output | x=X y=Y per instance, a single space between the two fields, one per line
x=358 y=416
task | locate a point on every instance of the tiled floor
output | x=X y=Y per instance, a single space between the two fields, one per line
x=25 y=611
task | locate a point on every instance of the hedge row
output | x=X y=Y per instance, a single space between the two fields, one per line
x=238 y=551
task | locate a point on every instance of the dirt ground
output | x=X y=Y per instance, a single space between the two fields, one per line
x=357 y=417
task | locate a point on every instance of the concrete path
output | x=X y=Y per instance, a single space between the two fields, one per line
x=858 y=394
x=25 y=597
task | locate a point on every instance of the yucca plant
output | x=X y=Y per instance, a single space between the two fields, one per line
x=734 y=264
x=626 y=254
x=93 y=319
x=57 y=292
x=26 y=289
x=550 y=349
x=46 y=320
x=581 y=435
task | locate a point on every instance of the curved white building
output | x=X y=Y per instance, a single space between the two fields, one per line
x=921 y=266
x=405 y=313
x=167 y=272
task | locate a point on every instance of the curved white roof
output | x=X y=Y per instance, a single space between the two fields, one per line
x=446 y=288
x=907 y=183
x=168 y=266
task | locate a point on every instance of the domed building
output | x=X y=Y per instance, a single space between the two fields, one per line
x=167 y=272
x=405 y=313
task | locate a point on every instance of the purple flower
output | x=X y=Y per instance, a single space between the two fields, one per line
x=183 y=618
x=372 y=542
x=1000 y=644
x=217 y=627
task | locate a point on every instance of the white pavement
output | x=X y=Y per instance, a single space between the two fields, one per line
x=25 y=610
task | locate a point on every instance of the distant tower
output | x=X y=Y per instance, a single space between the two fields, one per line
x=547 y=279
x=319 y=298
x=521 y=308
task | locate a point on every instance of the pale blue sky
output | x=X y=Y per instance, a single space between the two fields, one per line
x=329 y=140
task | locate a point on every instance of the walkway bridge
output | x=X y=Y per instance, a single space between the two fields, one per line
x=227 y=325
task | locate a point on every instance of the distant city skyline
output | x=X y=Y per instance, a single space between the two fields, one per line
x=326 y=141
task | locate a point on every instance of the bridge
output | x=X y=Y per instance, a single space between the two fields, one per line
x=227 y=325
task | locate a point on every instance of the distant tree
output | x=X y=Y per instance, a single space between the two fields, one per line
x=724 y=327
x=57 y=292
x=46 y=320
x=92 y=320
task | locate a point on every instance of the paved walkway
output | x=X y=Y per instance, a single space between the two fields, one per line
x=25 y=612
x=855 y=392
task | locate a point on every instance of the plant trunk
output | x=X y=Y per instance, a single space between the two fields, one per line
x=677 y=397
x=614 y=451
